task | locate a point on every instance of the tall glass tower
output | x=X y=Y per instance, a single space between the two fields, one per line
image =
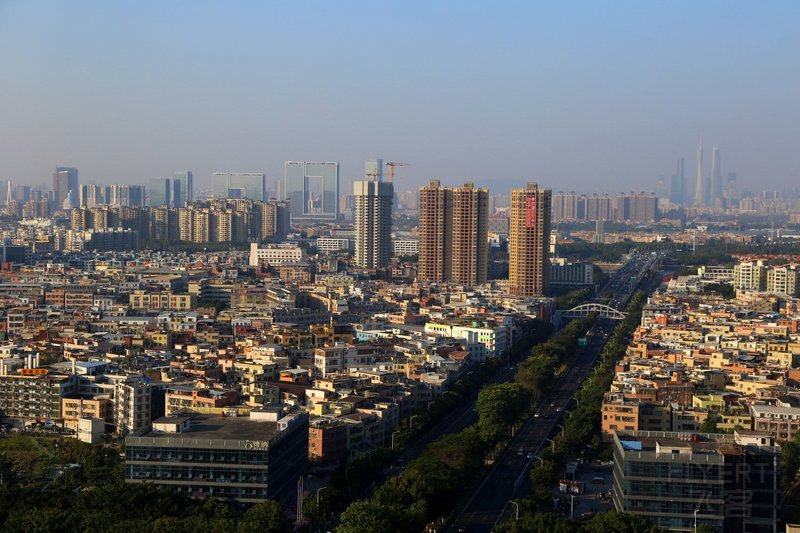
x=239 y=185
x=312 y=189
x=182 y=188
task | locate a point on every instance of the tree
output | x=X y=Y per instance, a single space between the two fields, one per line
x=264 y=517
x=709 y=425
x=367 y=517
x=619 y=523
x=790 y=463
x=499 y=406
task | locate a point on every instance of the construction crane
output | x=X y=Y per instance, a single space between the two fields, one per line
x=391 y=165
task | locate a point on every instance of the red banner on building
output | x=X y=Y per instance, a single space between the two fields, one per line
x=530 y=212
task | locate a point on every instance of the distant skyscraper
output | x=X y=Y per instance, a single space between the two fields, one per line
x=529 y=240
x=698 y=192
x=160 y=192
x=453 y=233
x=312 y=189
x=716 y=175
x=678 y=192
x=238 y=185
x=373 y=169
x=731 y=189
x=90 y=195
x=373 y=222
x=23 y=193
x=135 y=195
x=65 y=181
x=182 y=188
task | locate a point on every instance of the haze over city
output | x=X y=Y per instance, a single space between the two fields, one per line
x=577 y=95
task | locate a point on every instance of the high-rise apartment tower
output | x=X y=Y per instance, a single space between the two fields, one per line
x=453 y=233
x=528 y=241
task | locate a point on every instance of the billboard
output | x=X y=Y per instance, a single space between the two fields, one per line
x=530 y=212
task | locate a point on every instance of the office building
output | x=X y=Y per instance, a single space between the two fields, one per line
x=698 y=191
x=312 y=189
x=528 y=241
x=65 y=188
x=716 y=176
x=567 y=274
x=238 y=185
x=682 y=481
x=373 y=221
x=678 y=185
x=182 y=188
x=249 y=459
x=453 y=233
x=160 y=192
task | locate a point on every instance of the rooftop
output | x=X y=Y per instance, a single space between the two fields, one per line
x=220 y=428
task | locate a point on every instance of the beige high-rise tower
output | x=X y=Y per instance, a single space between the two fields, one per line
x=453 y=233
x=528 y=241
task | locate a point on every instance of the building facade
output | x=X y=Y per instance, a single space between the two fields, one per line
x=453 y=233
x=312 y=189
x=241 y=458
x=528 y=241
x=251 y=185
x=681 y=481
x=373 y=223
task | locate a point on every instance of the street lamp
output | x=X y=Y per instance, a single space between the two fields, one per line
x=319 y=489
x=541 y=461
x=516 y=507
x=411 y=421
x=429 y=405
x=562 y=429
x=695 y=518
x=393 y=434
x=554 y=444
x=577 y=402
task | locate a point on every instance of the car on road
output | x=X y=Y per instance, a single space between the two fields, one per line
x=520 y=451
x=530 y=455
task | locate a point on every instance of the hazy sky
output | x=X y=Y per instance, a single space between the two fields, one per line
x=576 y=95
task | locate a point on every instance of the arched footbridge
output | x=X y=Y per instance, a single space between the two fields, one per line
x=587 y=309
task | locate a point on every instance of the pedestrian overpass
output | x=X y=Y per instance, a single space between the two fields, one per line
x=584 y=310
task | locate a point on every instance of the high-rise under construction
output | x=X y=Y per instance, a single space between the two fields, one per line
x=528 y=241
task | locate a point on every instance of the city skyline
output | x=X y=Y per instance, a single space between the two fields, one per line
x=591 y=95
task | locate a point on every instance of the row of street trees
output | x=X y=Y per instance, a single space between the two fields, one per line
x=433 y=484
x=581 y=436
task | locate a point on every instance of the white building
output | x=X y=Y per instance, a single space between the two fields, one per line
x=274 y=254
x=132 y=404
x=783 y=280
x=482 y=342
x=404 y=247
x=327 y=245
x=750 y=276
